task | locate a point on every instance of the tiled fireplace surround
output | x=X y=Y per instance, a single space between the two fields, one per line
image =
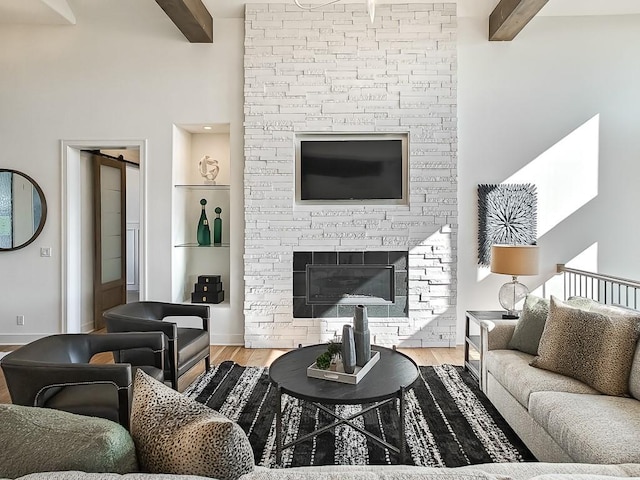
x=332 y=70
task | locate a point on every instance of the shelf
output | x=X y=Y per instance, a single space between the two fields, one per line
x=474 y=341
x=203 y=187
x=225 y=304
x=473 y=366
x=195 y=245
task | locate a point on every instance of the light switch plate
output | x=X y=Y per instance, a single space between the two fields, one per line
x=45 y=251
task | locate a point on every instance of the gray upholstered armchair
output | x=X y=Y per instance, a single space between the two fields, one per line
x=186 y=347
x=55 y=372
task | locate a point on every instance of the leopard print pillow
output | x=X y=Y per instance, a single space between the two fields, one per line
x=595 y=346
x=175 y=434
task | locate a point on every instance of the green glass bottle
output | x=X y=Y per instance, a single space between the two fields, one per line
x=217 y=227
x=204 y=233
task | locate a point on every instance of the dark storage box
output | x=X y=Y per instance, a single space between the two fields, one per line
x=207 y=297
x=208 y=278
x=207 y=287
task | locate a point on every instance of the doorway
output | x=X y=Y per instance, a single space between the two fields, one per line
x=77 y=246
x=112 y=227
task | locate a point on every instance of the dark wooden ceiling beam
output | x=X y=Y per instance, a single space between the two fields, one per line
x=510 y=17
x=191 y=17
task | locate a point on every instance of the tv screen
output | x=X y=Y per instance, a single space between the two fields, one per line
x=350 y=169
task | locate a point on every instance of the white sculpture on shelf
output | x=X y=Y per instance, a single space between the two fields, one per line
x=209 y=169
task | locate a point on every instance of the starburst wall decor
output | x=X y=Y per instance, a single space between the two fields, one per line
x=507 y=214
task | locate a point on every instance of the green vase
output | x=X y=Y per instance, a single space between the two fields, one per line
x=204 y=233
x=217 y=227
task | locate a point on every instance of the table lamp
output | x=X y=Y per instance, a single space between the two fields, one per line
x=513 y=260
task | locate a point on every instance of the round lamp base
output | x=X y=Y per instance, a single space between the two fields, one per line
x=510 y=295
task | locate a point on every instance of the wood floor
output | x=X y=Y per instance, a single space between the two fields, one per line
x=263 y=357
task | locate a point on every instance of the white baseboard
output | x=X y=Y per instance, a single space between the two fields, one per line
x=227 y=339
x=21 y=338
x=87 y=327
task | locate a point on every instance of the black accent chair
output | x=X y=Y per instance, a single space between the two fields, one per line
x=54 y=372
x=186 y=346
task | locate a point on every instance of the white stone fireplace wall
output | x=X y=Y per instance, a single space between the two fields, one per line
x=331 y=70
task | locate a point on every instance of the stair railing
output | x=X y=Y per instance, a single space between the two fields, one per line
x=602 y=288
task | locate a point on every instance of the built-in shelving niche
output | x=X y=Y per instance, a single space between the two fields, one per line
x=190 y=145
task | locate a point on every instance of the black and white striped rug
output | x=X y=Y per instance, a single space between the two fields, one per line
x=449 y=421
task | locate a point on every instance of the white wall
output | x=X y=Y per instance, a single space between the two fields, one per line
x=558 y=107
x=124 y=71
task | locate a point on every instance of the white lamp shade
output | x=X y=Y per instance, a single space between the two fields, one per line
x=514 y=259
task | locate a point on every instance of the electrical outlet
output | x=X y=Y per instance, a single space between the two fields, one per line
x=20 y=319
x=45 y=251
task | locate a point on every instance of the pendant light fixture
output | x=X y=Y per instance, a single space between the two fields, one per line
x=371 y=6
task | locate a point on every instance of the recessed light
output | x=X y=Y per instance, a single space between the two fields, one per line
x=207 y=127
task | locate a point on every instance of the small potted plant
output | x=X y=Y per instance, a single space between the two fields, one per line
x=330 y=359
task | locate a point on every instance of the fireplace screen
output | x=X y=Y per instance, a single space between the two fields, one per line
x=350 y=284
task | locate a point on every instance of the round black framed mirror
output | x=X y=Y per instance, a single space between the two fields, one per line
x=23 y=209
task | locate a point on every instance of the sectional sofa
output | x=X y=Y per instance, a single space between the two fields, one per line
x=559 y=417
x=495 y=471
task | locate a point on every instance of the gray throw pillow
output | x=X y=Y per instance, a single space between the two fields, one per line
x=595 y=347
x=526 y=336
x=528 y=331
x=175 y=434
x=34 y=439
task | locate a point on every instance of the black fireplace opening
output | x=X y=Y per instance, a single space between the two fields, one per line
x=330 y=284
x=350 y=284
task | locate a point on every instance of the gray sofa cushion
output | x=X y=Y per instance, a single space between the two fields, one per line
x=515 y=471
x=75 y=475
x=590 y=428
x=511 y=368
x=36 y=439
x=504 y=471
x=571 y=476
x=498 y=471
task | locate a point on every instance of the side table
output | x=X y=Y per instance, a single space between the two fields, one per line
x=473 y=340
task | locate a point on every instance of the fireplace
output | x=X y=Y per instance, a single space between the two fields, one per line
x=329 y=284
x=350 y=284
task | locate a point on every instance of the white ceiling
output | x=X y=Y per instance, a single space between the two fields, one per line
x=59 y=12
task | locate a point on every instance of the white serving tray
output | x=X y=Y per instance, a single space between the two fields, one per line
x=339 y=375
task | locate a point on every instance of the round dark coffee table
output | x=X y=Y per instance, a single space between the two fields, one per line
x=385 y=382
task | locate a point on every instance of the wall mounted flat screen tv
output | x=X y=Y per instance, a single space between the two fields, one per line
x=356 y=168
